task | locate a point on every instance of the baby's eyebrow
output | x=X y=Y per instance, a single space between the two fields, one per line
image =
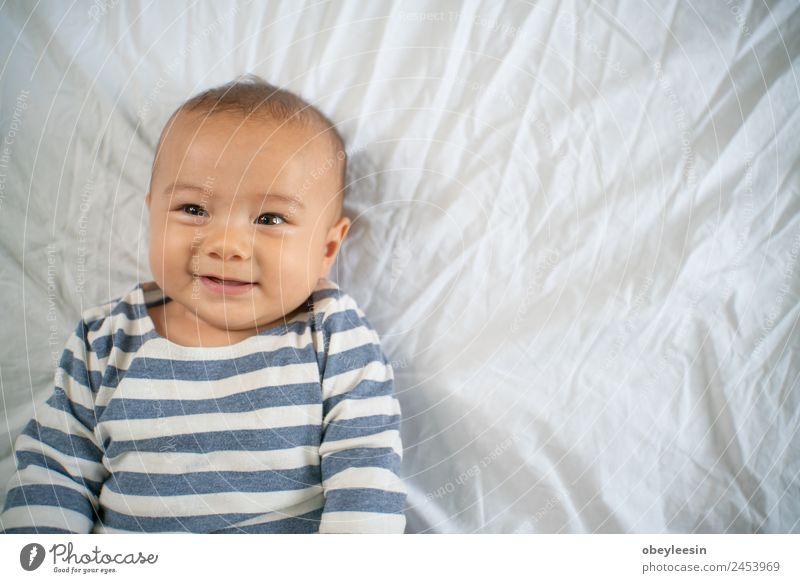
x=185 y=186
x=291 y=200
x=285 y=198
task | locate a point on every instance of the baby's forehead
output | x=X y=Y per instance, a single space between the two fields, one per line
x=195 y=132
x=280 y=145
x=227 y=125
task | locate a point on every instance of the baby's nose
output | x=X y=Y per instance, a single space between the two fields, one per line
x=228 y=244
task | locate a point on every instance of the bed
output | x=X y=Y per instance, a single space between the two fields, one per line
x=575 y=226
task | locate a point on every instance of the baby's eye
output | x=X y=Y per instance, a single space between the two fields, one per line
x=193 y=209
x=270 y=219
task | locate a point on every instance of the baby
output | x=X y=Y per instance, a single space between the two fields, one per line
x=241 y=391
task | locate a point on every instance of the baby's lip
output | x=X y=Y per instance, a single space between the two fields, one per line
x=227 y=279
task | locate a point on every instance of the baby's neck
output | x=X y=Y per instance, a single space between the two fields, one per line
x=186 y=330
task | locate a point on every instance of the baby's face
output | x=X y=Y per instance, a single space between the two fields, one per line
x=244 y=220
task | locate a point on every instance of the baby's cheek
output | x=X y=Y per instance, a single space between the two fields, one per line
x=282 y=274
x=162 y=253
x=157 y=267
x=296 y=262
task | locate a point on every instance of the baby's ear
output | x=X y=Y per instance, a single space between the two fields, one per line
x=333 y=242
x=336 y=236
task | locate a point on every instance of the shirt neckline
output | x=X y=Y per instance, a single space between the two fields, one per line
x=149 y=295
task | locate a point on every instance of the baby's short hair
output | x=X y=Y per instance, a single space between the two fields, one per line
x=251 y=96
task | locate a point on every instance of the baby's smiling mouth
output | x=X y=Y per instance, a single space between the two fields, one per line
x=227 y=281
x=228 y=286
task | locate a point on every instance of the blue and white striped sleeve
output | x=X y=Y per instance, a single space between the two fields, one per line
x=59 y=461
x=361 y=449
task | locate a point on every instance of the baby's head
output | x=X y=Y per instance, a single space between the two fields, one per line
x=245 y=207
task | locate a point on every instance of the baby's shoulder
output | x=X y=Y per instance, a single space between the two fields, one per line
x=123 y=313
x=338 y=316
x=329 y=301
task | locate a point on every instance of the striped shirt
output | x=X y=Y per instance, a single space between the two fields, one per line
x=294 y=430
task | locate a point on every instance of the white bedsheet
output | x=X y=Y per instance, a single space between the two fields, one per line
x=575 y=226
